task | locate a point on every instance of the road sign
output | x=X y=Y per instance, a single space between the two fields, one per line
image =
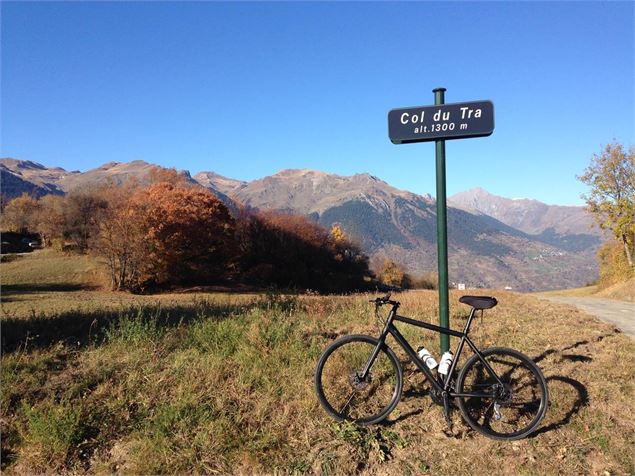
x=441 y=122
x=438 y=123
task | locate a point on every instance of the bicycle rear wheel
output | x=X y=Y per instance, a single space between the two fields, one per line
x=341 y=390
x=517 y=403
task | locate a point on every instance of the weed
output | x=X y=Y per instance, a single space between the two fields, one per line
x=602 y=441
x=279 y=302
x=423 y=467
x=367 y=440
x=299 y=467
x=136 y=327
x=219 y=338
x=52 y=433
x=327 y=467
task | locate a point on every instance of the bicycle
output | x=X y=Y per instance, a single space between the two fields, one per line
x=500 y=392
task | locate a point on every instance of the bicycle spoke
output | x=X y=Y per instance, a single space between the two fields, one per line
x=345 y=394
x=516 y=407
x=350 y=398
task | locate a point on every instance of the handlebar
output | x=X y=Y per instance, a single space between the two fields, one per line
x=380 y=301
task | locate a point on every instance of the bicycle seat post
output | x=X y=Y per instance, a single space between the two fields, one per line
x=477 y=303
x=466 y=329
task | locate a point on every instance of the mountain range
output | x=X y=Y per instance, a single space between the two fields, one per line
x=493 y=241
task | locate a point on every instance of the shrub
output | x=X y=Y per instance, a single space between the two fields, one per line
x=393 y=275
x=52 y=432
x=614 y=266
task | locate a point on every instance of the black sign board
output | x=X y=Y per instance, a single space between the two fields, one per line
x=443 y=122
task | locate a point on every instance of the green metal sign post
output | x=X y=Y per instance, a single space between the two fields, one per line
x=439 y=123
x=442 y=232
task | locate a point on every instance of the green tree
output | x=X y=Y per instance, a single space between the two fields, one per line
x=611 y=177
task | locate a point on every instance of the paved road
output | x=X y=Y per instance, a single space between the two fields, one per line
x=618 y=313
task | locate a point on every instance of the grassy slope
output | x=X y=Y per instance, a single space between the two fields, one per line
x=49 y=267
x=624 y=291
x=206 y=383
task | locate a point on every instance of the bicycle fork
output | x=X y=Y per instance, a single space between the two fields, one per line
x=380 y=344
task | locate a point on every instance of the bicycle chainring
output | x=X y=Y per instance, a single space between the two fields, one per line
x=436 y=396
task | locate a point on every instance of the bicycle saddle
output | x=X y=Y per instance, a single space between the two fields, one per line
x=479 y=302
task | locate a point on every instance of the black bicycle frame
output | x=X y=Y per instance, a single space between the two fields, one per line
x=390 y=328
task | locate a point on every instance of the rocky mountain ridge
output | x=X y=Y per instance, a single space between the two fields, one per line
x=514 y=245
x=570 y=227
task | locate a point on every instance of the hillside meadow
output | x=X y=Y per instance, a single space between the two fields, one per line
x=621 y=291
x=102 y=382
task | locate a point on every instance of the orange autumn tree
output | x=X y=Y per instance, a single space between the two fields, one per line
x=187 y=234
x=169 y=175
x=166 y=234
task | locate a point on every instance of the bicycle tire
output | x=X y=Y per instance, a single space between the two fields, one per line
x=343 y=395
x=518 y=407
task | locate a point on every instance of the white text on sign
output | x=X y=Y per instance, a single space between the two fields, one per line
x=466 y=113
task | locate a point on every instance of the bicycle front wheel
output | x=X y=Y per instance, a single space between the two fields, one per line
x=347 y=394
x=511 y=406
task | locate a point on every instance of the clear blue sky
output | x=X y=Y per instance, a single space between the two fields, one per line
x=248 y=89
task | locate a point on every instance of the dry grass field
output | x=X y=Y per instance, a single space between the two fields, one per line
x=624 y=291
x=100 y=382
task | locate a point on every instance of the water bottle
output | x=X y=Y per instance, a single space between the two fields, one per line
x=446 y=362
x=425 y=355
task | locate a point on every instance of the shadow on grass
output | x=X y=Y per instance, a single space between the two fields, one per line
x=572 y=357
x=8 y=258
x=577 y=389
x=32 y=288
x=12 y=292
x=388 y=423
x=581 y=400
x=82 y=328
x=579 y=393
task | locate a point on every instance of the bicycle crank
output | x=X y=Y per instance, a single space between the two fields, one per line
x=436 y=396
